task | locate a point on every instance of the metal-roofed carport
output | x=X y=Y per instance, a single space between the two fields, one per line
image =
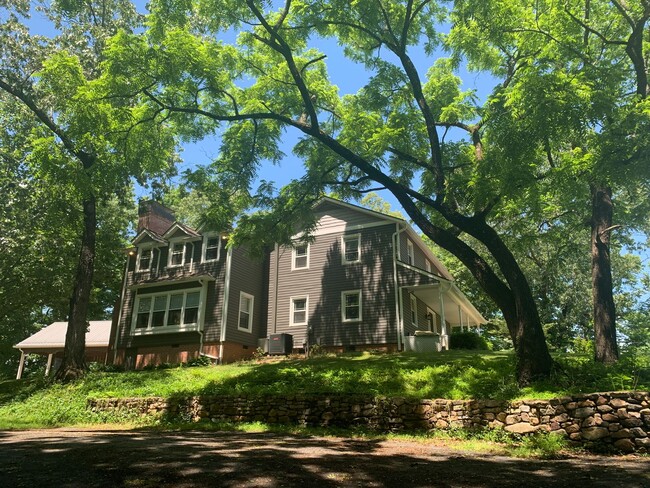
x=50 y=341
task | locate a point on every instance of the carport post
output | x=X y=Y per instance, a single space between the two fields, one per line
x=21 y=365
x=49 y=364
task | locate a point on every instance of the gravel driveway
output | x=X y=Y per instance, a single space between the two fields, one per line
x=91 y=458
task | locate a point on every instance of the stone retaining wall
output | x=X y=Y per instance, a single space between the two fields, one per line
x=619 y=419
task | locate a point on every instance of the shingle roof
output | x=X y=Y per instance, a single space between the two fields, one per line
x=53 y=336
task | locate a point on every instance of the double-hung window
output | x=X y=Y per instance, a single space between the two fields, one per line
x=211 y=247
x=176 y=254
x=414 y=310
x=410 y=254
x=299 y=309
x=145 y=259
x=351 y=245
x=300 y=257
x=245 y=312
x=351 y=306
x=167 y=311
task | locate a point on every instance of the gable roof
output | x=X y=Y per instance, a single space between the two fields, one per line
x=53 y=336
x=150 y=234
x=360 y=209
x=178 y=226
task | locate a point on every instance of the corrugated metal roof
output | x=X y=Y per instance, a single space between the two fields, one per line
x=54 y=335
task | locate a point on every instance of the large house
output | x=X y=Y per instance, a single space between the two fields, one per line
x=364 y=281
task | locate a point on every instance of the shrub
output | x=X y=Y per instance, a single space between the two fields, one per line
x=200 y=361
x=467 y=340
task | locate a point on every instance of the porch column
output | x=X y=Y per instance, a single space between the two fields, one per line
x=443 y=322
x=460 y=318
x=49 y=364
x=21 y=365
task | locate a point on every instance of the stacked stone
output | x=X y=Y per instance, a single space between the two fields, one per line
x=618 y=419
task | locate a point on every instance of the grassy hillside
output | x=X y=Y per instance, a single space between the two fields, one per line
x=452 y=374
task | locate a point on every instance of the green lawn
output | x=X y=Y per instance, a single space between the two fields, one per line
x=451 y=374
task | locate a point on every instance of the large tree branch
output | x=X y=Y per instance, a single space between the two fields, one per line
x=87 y=160
x=280 y=46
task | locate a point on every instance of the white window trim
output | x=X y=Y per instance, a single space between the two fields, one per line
x=414 y=308
x=169 y=253
x=204 y=247
x=410 y=252
x=292 y=309
x=250 y=314
x=293 y=257
x=343 y=295
x=349 y=237
x=427 y=265
x=137 y=261
x=167 y=329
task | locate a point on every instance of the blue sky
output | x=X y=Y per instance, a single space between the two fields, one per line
x=348 y=76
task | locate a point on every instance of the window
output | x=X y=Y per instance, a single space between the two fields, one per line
x=351 y=306
x=245 y=312
x=171 y=311
x=351 y=248
x=427 y=265
x=410 y=255
x=299 y=307
x=300 y=257
x=211 y=247
x=176 y=254
x=145 y=259
x=414 y=310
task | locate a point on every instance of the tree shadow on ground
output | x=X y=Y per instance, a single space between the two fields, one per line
x=234 y=459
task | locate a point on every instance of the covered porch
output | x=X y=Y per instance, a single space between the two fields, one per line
x=50 y=342
x=447 y=310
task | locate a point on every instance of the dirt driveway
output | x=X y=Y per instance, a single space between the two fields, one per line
x=85 y=458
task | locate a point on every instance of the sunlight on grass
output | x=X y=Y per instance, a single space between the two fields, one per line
x=451 y=375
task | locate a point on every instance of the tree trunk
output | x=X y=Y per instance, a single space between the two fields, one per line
x=605 y=345
x=515 y=300
x=74 y=362
x=521 y=315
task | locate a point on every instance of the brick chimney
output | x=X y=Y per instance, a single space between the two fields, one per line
x=154 y=217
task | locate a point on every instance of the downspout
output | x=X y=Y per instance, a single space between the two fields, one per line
x=275 y=289
x=398 y=291
x=226 y=297
x=202 y=301
x=119 y=314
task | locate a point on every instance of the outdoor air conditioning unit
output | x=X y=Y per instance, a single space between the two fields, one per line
x=280 y=344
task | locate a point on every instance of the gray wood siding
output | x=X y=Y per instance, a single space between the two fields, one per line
x=246 y=275
x=410 y=277
x=409 y=327
x=213 y=303
x=325 y=280
x=419 y=254
x=331 y=216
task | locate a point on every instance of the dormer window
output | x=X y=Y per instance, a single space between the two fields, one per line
x=176 y=253
x=145 y=259
x=211 y=247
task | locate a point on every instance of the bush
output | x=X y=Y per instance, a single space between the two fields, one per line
x=467 y=340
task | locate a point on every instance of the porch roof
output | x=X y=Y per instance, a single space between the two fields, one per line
x=52 y=337
x=452 y=298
